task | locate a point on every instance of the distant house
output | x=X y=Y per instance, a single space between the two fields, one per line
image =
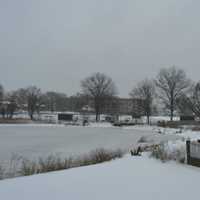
x=65 y=116
x=187 y=118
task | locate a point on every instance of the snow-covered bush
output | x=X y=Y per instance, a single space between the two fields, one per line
x=170 y=151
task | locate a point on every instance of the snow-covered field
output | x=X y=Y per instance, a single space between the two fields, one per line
x=128 y=178
x=33 y=141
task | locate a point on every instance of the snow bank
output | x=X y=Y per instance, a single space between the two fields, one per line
x=171 y=150
x=154 y=129
x=128 y=178
x=100 y=125
x=192 y=135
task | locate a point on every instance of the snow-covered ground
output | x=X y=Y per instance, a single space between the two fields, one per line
x=38 y=140
x=128 y=178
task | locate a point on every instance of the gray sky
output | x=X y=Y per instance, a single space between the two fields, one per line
x=55 y=44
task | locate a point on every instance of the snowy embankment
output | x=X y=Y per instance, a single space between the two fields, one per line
x=139 y=178
x=172 y=142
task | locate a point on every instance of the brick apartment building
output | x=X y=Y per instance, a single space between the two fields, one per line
x=124 y=106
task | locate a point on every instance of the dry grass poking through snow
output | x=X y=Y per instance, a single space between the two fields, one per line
x=56 y=163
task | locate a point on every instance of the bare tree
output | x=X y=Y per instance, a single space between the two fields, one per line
x=20 y=98
x=2 y=109
x=33 y=97
x=11 y=107
x=100 y=88
x=1 y=92
x=172 y=83
x=145 y=91
x=194 y=100
x=189 y=103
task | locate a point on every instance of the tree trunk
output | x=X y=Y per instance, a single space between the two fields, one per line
x=97 y=110
x=172 y=106
x=31 y=115
x=97 y=114
x=172 y=111
x=171 y=115
x=148 y=119
x=97 y=117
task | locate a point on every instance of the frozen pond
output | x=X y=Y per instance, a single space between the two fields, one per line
x=33 y=141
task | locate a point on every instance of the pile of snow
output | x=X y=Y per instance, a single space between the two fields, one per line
x=191 y=135
x=100 y=125
x=171 y=150
x=173 y=146
x=154 y=129
x=172 y=142
x=128 y=178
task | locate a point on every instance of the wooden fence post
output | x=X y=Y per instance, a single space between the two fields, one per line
x=188 y=152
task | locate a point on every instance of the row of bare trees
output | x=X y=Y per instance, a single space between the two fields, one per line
x=97 y=89
x=175 y=90
x=171 y=86
x=28 y=97
x=33 y=100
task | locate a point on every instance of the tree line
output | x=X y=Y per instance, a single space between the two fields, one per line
x=33 y=100
x=171 y=87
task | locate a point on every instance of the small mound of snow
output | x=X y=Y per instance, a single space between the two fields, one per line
x=100 y=125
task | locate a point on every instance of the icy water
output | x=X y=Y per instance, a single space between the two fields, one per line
x=33 y=141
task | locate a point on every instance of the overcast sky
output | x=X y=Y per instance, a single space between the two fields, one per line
x=55 y=43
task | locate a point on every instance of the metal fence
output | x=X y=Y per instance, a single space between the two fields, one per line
x=193 y=153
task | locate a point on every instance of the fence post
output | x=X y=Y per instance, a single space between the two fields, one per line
x=188 y=152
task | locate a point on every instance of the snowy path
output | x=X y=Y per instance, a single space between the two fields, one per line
x=131 y=178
